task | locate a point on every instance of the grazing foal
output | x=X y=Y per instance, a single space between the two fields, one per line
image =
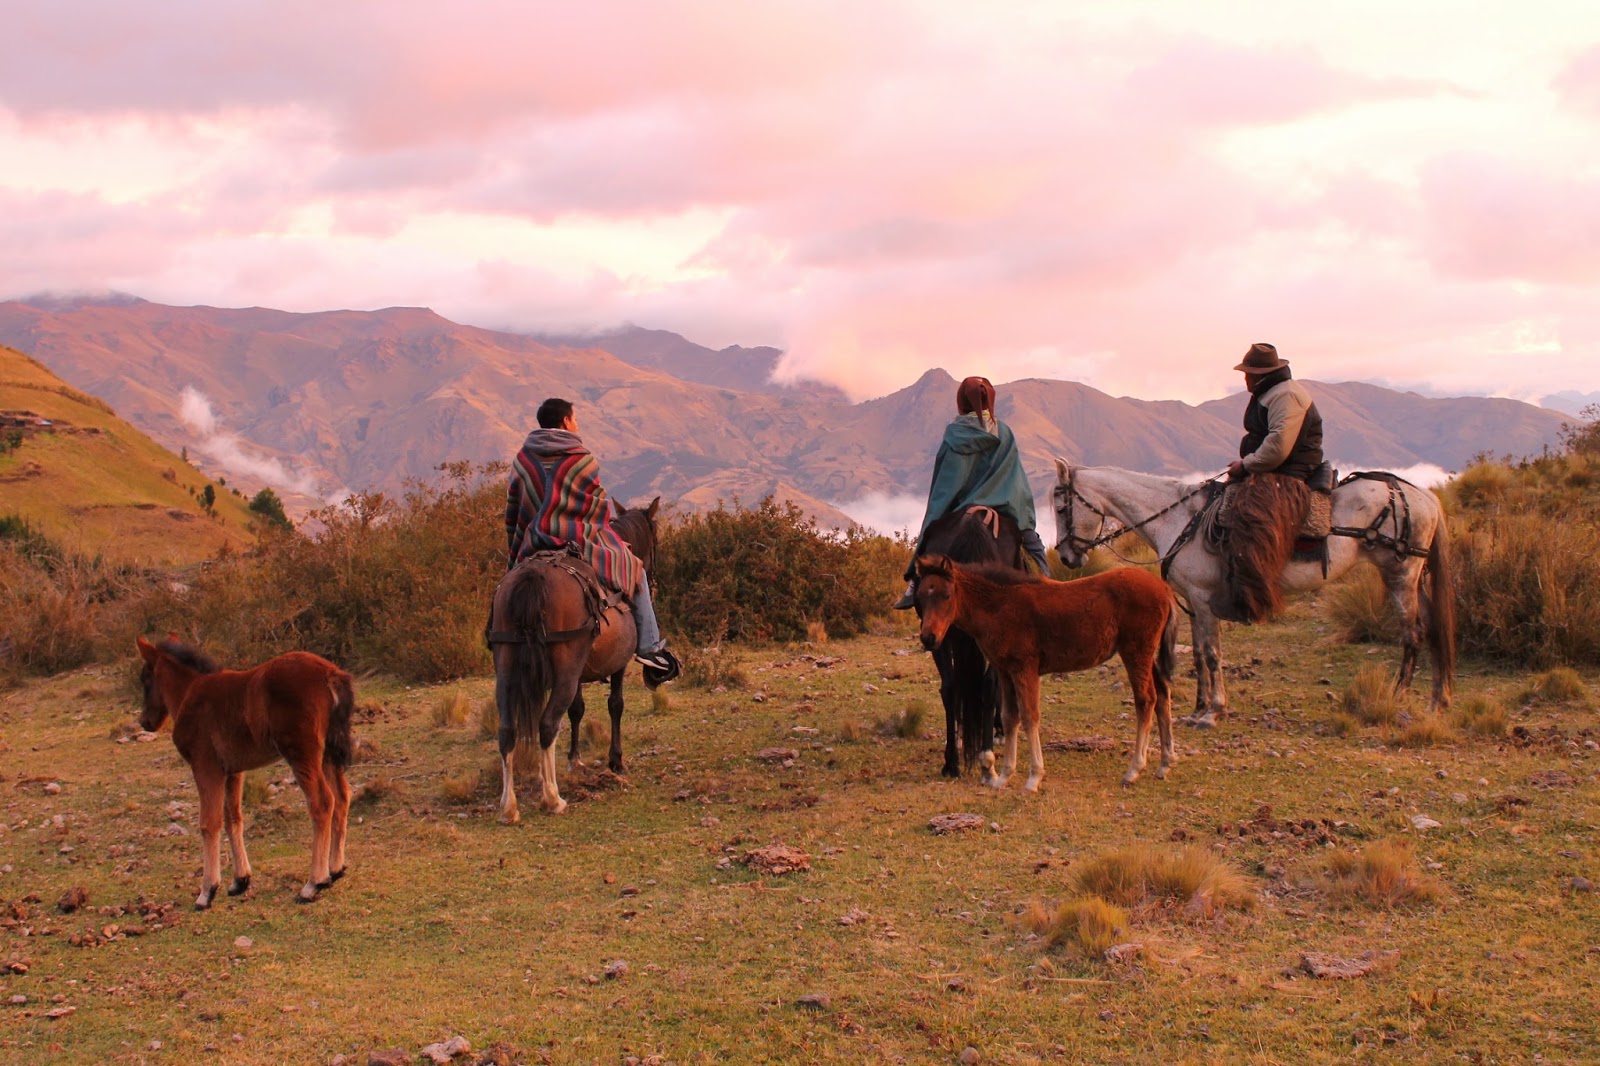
x=1027 y=626
x=296 y=707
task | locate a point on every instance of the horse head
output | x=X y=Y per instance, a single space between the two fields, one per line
x=937 y=597
x=1079 y=523
x=637 y=526
x=155 y=708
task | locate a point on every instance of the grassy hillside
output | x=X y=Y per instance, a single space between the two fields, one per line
x=450 y=923
x=94 y=484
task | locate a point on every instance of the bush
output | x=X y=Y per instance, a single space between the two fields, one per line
x=401 y=586
x=1529 y=589
x=770 y=573
x=1359 y=605
x=1086 y=926
x=267 y=504
x=1485 y=717
x=1560 y=685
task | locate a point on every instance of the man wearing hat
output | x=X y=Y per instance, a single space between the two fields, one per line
x=1281 y=450
x=1282 y=429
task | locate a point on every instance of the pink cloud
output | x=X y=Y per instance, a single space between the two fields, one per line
x=1493 y=218
x=1579 y=84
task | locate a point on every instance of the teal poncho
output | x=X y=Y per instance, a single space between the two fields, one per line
x=977 y=467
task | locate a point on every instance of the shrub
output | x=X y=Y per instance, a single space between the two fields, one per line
x=1383 y=874
x=769 y=573
x=1196 y=880
x=461 y=787
x=401 y=586
x=710 y=667
x=267 y=504
x=1370 y=698
x=906 y=723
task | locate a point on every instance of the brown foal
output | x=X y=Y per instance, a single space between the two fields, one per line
x=296 y=707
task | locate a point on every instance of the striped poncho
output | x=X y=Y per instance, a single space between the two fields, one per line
x=555 y=499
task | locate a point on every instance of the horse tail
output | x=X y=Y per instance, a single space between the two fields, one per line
x=1167 y=655
x=1440 y=599
x=337 y=747
x=528 y=684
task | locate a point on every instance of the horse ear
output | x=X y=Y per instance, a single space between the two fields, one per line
x=655 y=505
x=934 y=564
x=1063 y=471
x=147 y=650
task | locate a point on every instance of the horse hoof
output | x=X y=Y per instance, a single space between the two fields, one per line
x=308 y=894
x=203 y=900
x=996 y=783
x=1032 y=785
x=616 y=768
x=510 y=819
x=336 y=874
x=559 y=808
x=239 y=887
x=1129 y=779
x=1161 y=773
x=950 y=771
x=1201 y=721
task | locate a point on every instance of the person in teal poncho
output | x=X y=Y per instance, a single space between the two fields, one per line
x=977 y=465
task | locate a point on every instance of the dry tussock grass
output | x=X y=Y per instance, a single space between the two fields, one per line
x=461 y=787
x=1424 y=731
x=377 y=788
x=906 y=723
x=1383 y=874
x=712 y=666
x=1359 y=606
x=452 y=711
x=1560 y=685
x=488 y=719
x=253 y=789
x=1195 y=880
x=1482 y=716
x=1086 y=925
x=1370 y=698
x=816 y=632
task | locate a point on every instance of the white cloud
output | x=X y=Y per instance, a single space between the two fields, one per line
x=887 y=514
x=229 y=452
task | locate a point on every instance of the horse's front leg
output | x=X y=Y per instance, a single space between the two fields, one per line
x=233 y=817
x=212 y=784
x=614 y=706
x=1026 y=687
x=1212 y=701
x=574 y=720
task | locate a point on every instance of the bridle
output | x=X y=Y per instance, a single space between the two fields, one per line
x=1066 y=494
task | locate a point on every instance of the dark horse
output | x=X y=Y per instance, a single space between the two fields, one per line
x=295 y=707
x=967 y=687
x=551 y=629
x=1027 y=626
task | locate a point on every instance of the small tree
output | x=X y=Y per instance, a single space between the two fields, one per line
x=208 y=497
x=267 y=504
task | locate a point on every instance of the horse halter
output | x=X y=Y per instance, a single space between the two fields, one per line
x=1064 y=496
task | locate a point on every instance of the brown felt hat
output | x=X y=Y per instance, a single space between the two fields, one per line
x=1261 y=359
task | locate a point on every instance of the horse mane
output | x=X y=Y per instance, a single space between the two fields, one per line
x=1000 y=574
x=188 y=656
x=637 y=528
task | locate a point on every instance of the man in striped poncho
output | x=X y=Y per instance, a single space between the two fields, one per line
x=555 y=499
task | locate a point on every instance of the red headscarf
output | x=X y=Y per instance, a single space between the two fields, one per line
x=975 y=396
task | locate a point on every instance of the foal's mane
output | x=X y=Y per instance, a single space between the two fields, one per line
x=188 y=656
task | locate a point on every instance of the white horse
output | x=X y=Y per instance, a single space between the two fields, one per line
x=1379 y=519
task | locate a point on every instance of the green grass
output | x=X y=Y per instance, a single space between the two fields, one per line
x=451 y=923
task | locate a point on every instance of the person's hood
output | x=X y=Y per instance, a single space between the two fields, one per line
x=969 y=436
x=553 y=442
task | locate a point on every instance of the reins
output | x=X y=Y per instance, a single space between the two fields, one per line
x=1069 y=492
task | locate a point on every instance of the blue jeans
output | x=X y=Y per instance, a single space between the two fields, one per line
x=644 y=619
x=1035 y=547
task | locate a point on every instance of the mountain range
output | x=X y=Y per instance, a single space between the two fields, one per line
x=320 y=402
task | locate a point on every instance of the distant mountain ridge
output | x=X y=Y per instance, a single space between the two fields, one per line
x=370 y=399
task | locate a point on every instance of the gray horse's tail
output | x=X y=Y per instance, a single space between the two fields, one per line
x=1439 y=601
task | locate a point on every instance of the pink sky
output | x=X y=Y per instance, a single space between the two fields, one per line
x=1124 y=194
